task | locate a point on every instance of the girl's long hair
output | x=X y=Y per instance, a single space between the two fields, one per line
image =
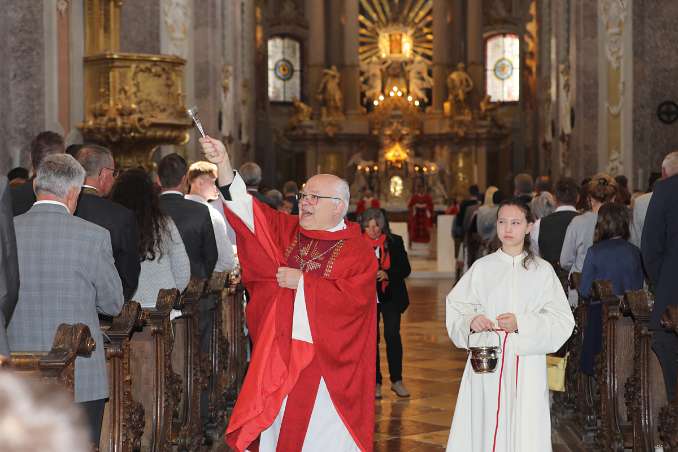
x=135 y=190
x=517 y=202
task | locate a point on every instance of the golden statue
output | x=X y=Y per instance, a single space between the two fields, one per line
x=330 y=96
x=487 y=107
x=302 y=113
x=459 y=85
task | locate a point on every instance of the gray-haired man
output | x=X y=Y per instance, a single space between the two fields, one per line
x=67 y=275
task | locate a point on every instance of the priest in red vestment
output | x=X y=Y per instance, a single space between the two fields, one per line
x=420 y=215
x=311 y=316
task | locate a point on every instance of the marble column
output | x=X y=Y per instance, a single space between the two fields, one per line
x=585 y=55
x=208 y=53
x=140 y=26
x=315 y=14
x=441 y=42
x=351 y=71
x=230 y=111
x=247 y=66
x=654 y=68
x=22 y=80
x=474 y=47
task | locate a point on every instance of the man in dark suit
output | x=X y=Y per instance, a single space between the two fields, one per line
x=44 y=144
x=118 y=220
x=552 y=228
x=659 y=245
x=67 y=276
x=194 y=223
x=9 y=266
x=192 y=219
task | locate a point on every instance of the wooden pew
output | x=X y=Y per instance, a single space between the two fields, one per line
x=668 y=417
x=233 y=316
x=187 y=361
x=614 y=367
x=123 y=422
x=585 y=388
x=154 y=383
x=218 y=358
x=645 y=390
x=57 y=365
x=564 y=403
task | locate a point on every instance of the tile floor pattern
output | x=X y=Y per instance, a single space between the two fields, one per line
x=432 y=370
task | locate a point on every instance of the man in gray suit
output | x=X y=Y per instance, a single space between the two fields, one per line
x=67 y=275
x=9 y=267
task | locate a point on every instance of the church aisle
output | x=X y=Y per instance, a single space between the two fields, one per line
x=432 y=370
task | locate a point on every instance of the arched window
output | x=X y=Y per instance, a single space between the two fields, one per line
x=502 y=67
x=284 y=69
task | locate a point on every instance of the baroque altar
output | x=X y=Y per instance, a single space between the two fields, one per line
x=397 y=138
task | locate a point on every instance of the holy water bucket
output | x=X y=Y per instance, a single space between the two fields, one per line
x=484 y=359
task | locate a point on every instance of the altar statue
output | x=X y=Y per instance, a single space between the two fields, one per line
x=302 y=113
x=395 y=77
x=329 y=94
x=417 y=72
x=420 y=214
x=372 y=79
x=459 y=85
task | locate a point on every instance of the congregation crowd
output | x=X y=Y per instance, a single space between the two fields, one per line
x=597 y=228
x=86 y=236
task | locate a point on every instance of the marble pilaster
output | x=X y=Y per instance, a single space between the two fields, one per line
x=208 y=51
x=351 y=72
x=585 y=87
x=654 y=73
x=474 y=48
x=315 y=13
x=441 y=42
x=22 y=80
x=140 y=26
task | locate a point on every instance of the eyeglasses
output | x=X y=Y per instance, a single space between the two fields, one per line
x=114 y=172
x=313 y=199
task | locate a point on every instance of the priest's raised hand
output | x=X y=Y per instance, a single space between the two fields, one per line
x=215 y=152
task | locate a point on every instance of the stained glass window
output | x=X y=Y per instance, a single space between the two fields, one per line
x=502 y=67
x=284 y=69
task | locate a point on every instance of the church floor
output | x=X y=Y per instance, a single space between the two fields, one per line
x=432 y=370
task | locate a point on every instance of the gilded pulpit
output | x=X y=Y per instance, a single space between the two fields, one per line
x=133 y=102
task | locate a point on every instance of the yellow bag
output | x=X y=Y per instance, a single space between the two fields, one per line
x=555 y=369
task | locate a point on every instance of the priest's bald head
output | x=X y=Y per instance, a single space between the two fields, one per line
x=324 y=202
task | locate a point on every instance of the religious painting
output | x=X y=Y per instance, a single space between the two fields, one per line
x=396 y=43
x=284 y=69
x=502 y=60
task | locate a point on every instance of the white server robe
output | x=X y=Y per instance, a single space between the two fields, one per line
x=508 y=410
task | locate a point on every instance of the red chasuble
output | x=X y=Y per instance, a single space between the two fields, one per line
x=339 y=273
x=420 y=219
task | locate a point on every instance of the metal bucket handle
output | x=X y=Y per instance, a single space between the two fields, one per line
x=468 y=339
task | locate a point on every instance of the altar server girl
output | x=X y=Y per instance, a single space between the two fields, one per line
x=519 y=295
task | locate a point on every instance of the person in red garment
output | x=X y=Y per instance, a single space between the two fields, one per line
x=311 y=316
x=368 y=201
x=420 y=216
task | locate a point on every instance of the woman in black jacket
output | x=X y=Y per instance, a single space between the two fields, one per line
x=394 y=267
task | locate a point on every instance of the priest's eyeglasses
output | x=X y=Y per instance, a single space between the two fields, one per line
x=313 y=199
